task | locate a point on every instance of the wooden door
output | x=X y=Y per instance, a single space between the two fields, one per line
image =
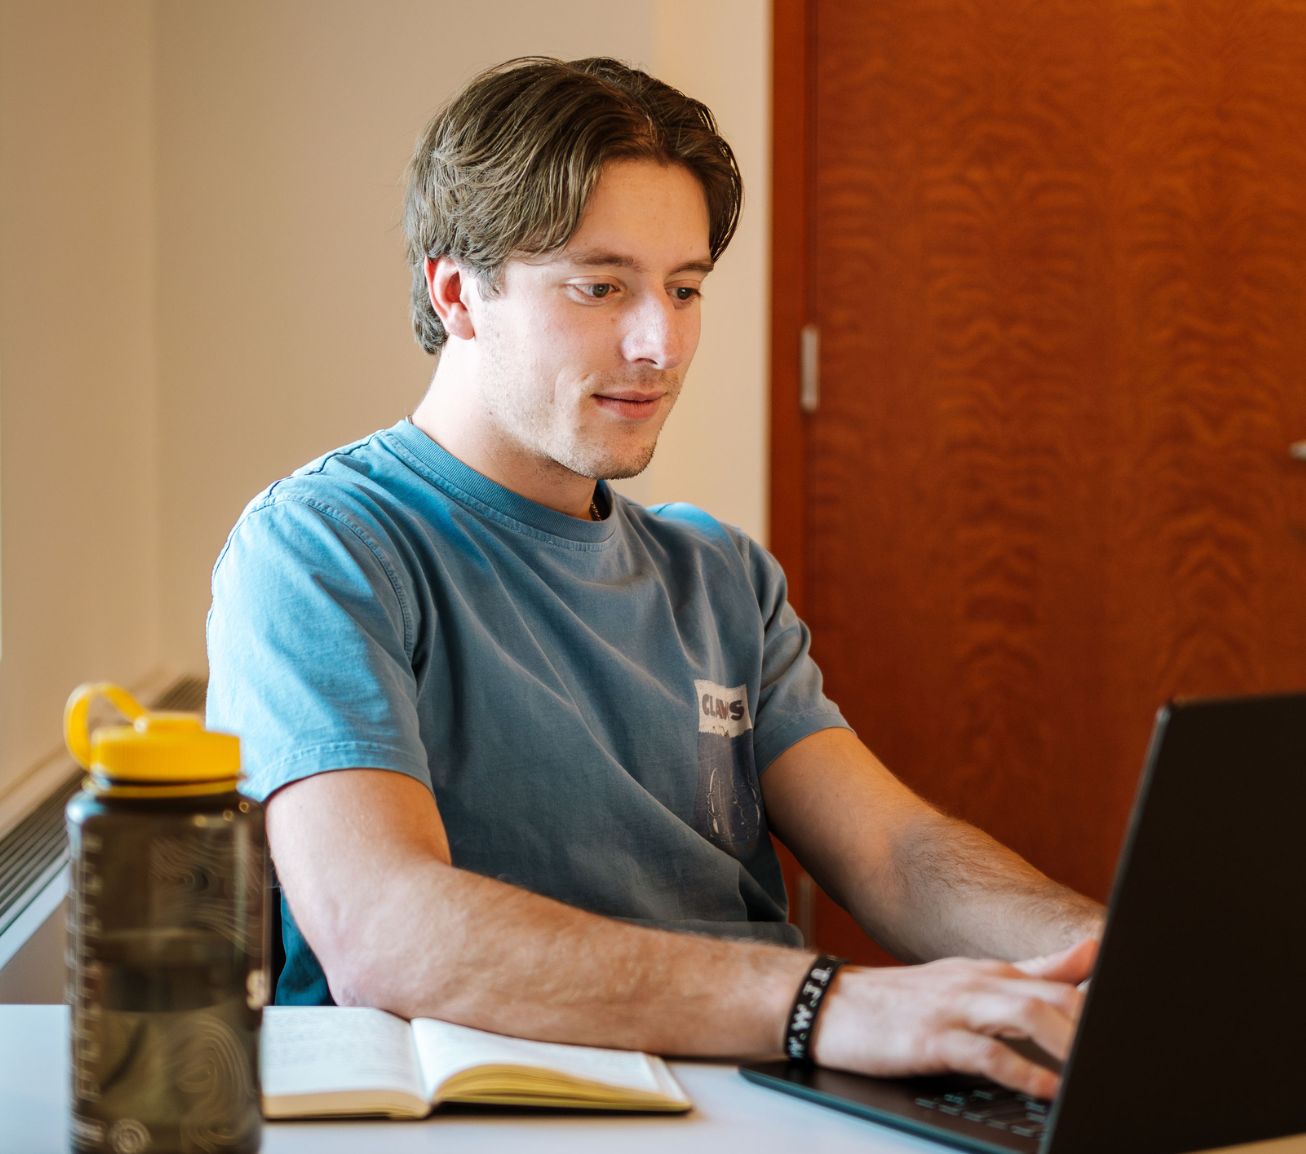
x=1056 y=252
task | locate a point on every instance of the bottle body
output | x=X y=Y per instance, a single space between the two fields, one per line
x=167 y=917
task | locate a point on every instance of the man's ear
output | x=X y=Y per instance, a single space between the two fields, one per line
x=448 y=285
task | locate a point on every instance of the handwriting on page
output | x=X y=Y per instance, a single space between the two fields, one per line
x=353 y=1048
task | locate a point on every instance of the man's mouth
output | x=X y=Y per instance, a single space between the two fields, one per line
x=630 y=403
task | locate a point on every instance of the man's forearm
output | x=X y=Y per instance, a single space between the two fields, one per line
x=922 y=884
x=472 y=950
x=468 y=949
x=365 y=863
x=366 y=866
x=958 y=892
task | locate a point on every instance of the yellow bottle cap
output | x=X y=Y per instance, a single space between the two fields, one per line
x=167 y=748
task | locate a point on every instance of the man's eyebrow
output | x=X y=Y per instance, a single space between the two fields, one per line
x=598 y=258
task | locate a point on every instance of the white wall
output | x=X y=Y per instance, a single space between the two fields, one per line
x=233 y=245
x=714 y=449
x=79 y=541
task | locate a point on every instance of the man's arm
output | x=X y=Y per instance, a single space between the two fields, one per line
x=365 y=864
x=922 y=884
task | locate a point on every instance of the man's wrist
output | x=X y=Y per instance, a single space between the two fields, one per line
x=800 y=1026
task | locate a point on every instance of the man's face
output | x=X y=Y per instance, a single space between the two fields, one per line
x=584 y=350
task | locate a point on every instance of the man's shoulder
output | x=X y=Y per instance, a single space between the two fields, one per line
x=682 y=519
x=362 y=492
x=345 y=476
x=367 y=485
x=691 y=527
x=692 y=535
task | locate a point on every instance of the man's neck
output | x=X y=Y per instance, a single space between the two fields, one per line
x=449 y=414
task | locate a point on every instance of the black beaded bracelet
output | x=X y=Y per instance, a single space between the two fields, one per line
x=807 y=1004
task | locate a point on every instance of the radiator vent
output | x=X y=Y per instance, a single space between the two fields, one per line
x=36 y=849
x=186 y=695
x=33 y=852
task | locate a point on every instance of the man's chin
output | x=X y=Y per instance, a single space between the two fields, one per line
x=616 y=468
x=625 y=472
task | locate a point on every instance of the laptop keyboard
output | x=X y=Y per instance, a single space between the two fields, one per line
x=992 y=1106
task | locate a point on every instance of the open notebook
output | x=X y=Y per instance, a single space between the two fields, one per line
x=332 y=1061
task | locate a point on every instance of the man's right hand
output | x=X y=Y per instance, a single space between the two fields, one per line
x=949 y=1016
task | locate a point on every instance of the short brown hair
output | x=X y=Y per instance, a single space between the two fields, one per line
x=506 y=167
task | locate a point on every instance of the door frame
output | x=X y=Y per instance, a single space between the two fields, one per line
x=792 y=118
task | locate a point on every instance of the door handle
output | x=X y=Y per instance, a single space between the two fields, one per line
x=1297 y=450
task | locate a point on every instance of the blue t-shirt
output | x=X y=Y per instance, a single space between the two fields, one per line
x=591 y=703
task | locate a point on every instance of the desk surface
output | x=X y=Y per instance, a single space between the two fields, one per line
x=728 y=1114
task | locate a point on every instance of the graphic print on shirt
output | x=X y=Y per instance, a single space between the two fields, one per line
x=728 y=811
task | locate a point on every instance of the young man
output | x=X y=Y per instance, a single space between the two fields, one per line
x=523 y=742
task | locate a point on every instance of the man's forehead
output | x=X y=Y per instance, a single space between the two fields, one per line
x=642 y=215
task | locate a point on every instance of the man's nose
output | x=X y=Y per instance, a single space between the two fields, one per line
x=659 y=334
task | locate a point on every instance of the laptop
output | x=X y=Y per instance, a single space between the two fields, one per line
x=1193 y=1032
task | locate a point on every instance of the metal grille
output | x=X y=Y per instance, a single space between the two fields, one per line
x=33 y=852
x=185 y=695
x=36 y=849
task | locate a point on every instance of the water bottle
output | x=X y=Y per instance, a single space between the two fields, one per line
x=167 y=915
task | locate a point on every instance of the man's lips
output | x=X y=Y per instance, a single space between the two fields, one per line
x=626 y=403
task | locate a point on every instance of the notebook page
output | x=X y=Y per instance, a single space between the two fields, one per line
x=327 y=1049
x=446 y=1049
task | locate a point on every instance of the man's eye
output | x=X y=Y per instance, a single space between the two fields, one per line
x=687 y=293
x=597 y=291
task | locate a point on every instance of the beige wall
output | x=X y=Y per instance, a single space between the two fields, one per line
x=79 y=542
x=233 y=240
x=713 y=452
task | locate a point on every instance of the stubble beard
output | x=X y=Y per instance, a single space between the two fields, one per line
x=604 y=464
x=589 y=456
x=610 y=470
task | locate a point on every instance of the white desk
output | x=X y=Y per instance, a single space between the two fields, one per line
x=729 y=1114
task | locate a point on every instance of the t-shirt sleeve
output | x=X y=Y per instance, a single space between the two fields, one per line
x=791 y=698
x=309 y=644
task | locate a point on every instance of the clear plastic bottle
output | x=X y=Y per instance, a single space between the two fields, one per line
x=167 y=917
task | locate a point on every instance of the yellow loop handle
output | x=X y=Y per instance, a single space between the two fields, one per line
x=76 y=730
